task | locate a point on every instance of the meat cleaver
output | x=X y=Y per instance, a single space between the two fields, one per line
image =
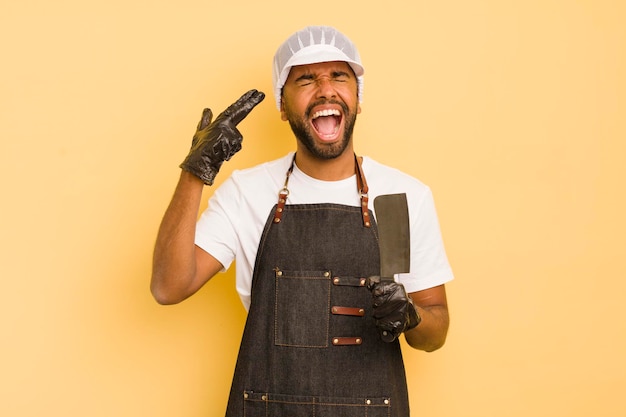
x=394 y=242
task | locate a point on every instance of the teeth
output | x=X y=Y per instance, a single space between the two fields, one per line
x=327 y=112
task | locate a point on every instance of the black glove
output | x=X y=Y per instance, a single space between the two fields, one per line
x=393 y=310
x=217 y=142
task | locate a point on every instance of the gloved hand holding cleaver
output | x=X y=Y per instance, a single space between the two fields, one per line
x=393 y=309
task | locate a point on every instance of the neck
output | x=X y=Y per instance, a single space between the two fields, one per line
x=335 y=169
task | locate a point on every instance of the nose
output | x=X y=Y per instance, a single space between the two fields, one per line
x=325 y=88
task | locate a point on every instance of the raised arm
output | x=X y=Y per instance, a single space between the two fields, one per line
x=177 y=271
x=179 y=267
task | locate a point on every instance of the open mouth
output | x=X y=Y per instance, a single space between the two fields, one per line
x=326 y=123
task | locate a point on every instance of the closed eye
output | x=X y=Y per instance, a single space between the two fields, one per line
x=305 y=79
x=308 y=79
x=340 y=76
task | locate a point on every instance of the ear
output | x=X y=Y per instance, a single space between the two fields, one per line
x=283 y=114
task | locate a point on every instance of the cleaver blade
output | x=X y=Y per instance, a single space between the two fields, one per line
x=394 y=243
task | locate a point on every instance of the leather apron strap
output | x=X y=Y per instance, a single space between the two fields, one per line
x=361 y=184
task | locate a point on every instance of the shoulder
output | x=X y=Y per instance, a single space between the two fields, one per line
x=267 y=177
x=384 y=179
x=271 y=169
x=250 y=193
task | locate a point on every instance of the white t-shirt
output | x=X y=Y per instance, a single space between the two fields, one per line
x=231 y=226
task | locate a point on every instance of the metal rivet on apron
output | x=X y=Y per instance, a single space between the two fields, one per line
x=276 y=220
x=368 y=402
x=367 y=224
x=361 y=311
x=363 y=280
x=326 y=274
x=358 y=341
x=336 y=281
x=335 y=341
x=386 y=401
x=245 y=395
x=264 y=397
x=279 y=273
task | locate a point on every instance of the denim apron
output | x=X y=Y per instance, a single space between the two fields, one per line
x=310 y=346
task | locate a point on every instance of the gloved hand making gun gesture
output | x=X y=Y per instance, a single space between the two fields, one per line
x=214 y=143
x=393 y=309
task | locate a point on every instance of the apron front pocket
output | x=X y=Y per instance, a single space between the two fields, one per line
x=302 y=309
x=281 y=405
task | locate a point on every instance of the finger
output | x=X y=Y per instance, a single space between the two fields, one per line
x=236 y=147
x=242 y=107
x=372 y=282
x=387 y=332
x=207 y=116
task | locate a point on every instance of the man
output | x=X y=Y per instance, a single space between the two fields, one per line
x=322 y=332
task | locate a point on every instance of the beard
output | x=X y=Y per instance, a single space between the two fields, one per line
x=302 y=130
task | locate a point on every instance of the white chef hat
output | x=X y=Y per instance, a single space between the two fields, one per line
x=311 y=45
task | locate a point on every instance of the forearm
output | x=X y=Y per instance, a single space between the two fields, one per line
x=174 y=263
x=431 y=333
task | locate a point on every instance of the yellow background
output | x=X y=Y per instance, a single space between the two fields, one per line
x=512 y=111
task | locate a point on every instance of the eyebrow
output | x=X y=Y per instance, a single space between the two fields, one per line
x=303 y=77
x=308 y=76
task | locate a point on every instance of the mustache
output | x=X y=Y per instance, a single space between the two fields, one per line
x=309 y=109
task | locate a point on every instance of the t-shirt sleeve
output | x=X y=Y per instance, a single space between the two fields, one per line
x=215 y=231
x=429 y=262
